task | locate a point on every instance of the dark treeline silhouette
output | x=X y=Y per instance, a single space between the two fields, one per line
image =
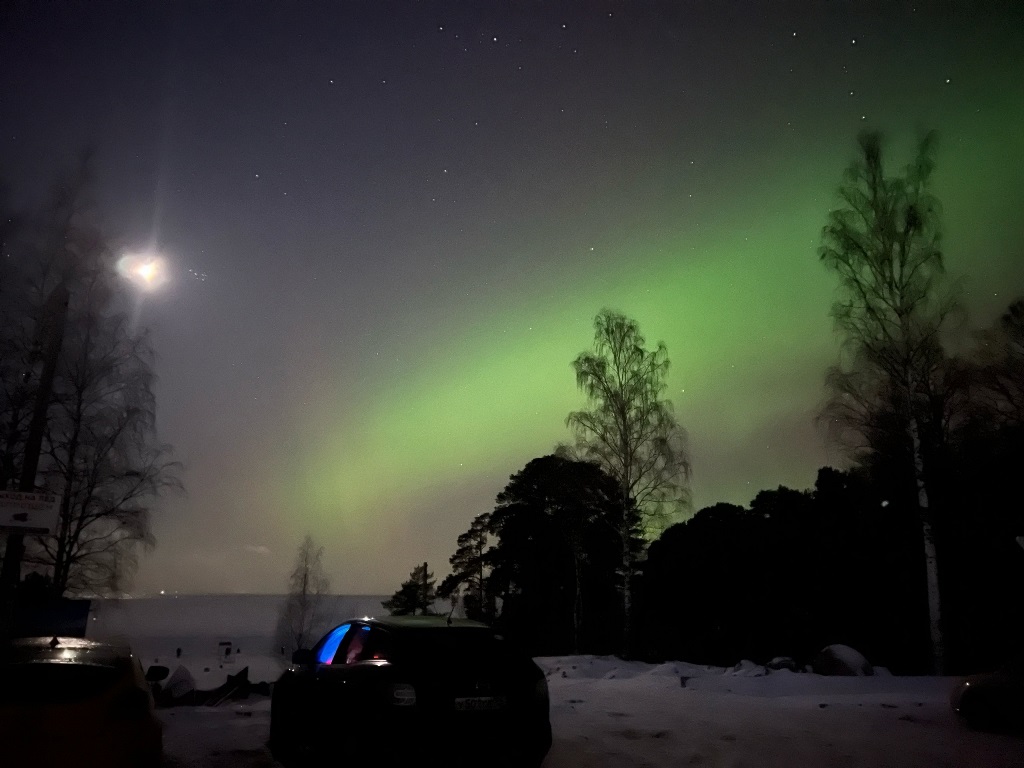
x=981 y=519
x=557 y=561
x=794 y=572
x=545 y=565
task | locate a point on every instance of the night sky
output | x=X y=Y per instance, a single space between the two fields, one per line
x=390 y=225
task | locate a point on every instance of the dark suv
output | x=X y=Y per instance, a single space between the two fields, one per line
x=410 y=686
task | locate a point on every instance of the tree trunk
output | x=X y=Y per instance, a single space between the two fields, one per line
x=484 y=613
x=426 y=589
x=577 y=604
x=62 y=553
x=931 y=560
x=627 y=596
x=934 y=597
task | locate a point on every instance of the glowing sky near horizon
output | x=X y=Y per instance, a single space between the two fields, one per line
x=391 y=225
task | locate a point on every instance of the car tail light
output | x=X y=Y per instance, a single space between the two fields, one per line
x=403 y=695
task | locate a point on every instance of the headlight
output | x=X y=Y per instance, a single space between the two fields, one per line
x=403 y=695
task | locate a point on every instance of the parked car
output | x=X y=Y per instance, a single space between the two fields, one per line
x=415 y=687
x=66 y=701
x=994 y=701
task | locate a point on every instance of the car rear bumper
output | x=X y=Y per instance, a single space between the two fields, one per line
x=451 y=739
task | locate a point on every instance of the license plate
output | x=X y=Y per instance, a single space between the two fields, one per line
x=480 y=703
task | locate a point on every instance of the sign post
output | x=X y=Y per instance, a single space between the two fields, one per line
x=50 y=334
x=29 y=513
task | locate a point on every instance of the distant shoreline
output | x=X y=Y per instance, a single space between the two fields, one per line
x=150 y=596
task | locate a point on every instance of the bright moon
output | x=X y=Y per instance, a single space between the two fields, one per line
x=146 y=270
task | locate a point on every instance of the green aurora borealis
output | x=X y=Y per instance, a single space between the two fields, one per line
x=406 y=215
x=748 y=332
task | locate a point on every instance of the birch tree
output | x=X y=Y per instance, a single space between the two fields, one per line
x=303 y=614
x=102 y=458
x=100 y=452
x=630 y=430
x=883 y=245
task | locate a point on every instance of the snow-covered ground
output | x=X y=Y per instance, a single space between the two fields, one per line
x=606 y=712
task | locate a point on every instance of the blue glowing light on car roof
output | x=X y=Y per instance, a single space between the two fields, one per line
x=330 y=646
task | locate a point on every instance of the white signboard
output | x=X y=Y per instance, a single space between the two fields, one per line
x=29 y=512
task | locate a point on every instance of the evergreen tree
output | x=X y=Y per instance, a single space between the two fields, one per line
x=417 y=594
x=580 y=508
x=470 y=571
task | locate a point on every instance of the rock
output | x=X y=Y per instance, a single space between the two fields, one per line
x=747 y=668
x=179 y=685
x=841 y=660
x=180 y=682
x=782 y=662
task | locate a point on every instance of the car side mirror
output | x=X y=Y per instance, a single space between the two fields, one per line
x=156 y=673
x=303 y=656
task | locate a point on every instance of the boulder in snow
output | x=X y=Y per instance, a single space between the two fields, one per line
x=179 y=684
x=841 y=660
x=747 y=668
x=782 y=662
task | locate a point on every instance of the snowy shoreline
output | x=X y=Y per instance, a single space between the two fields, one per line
x=604 y=711
x=607 y=712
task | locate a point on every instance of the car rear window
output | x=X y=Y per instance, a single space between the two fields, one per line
x=454 y=643
x=54 y=683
